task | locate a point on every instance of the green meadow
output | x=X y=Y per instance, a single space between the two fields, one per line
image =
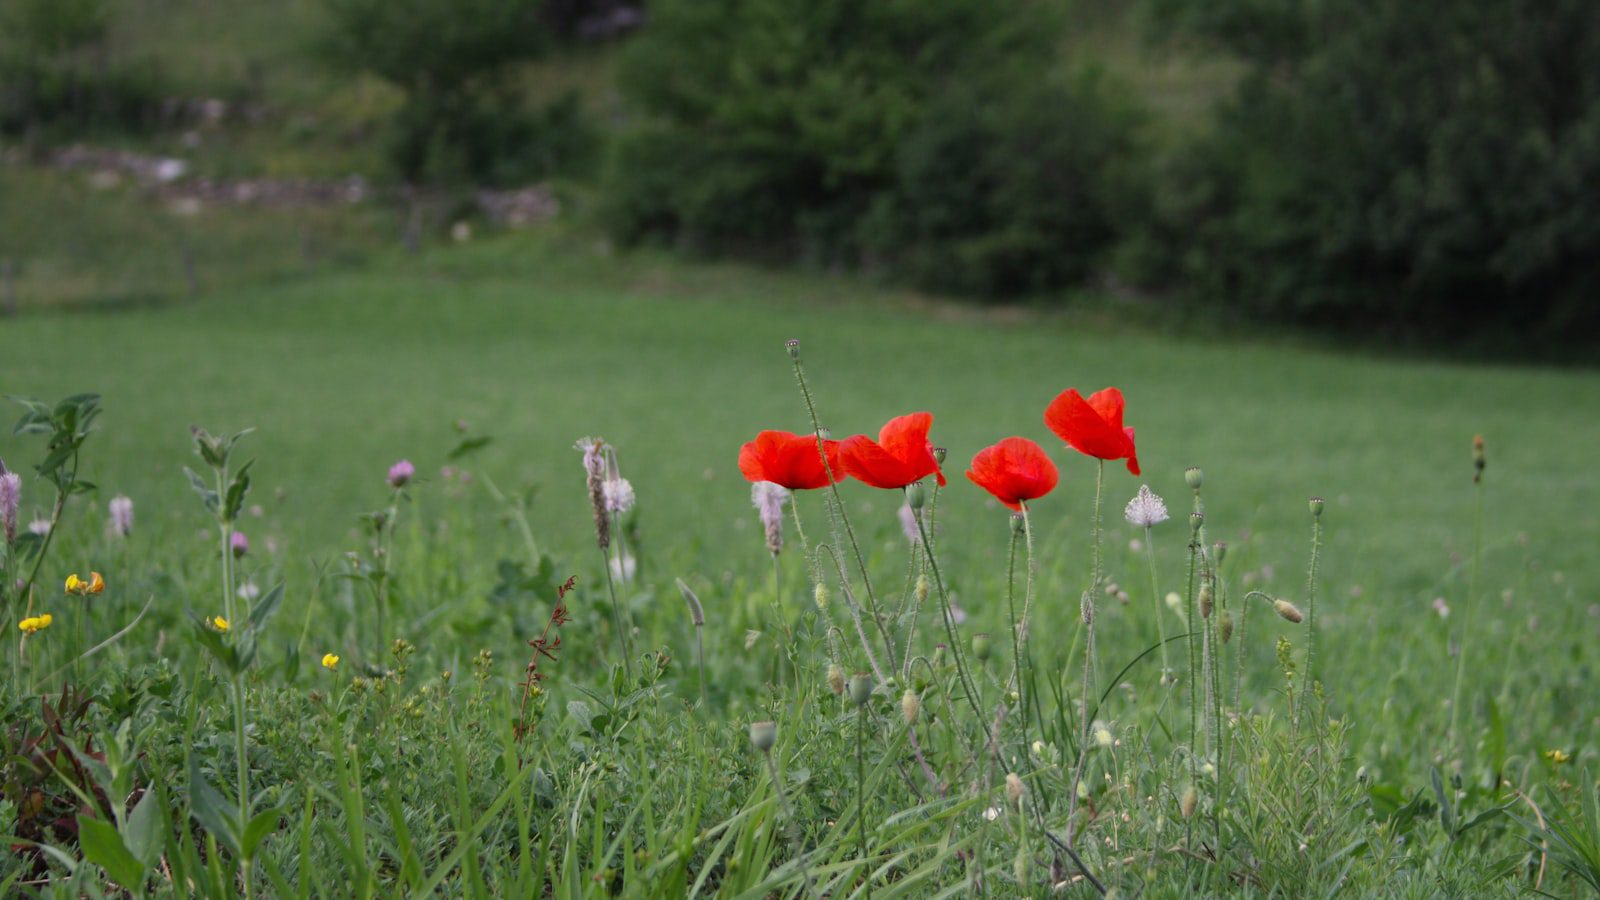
x=387 y=776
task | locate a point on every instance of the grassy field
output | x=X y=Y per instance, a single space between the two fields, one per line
x=387 y=776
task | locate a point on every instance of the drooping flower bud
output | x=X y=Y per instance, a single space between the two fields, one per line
x=1190 y=799
x=763 y=735
x=836 y=679
x=910 y=706
x=860 y=688
x=1288 y=611
x=1014 y=788
x=1226 y=624
x=819 y=595
x=1205 y=600
x=921 y=587
x=1193 y=477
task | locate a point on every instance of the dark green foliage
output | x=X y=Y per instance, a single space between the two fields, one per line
x=57 y=70
x=1425 y=166
x=463 y=118
x=915 y=137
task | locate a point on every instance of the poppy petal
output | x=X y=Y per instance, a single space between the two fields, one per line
x=1084 y=429
x=865 y=460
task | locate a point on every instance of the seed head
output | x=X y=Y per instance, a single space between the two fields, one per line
x=1196 y=521
x=768 y=499
x=916 y=495
x=981 y=647
x=860 y=688
x=1316 y=507
x=763 y=735
x=1193 y=477
x=10 y=496
x=121 y=511
x=1019 y=524
x=1146 y=509
x=1219 y=551
x=794 y=348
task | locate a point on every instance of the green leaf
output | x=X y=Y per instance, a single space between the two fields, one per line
x=580 y=711
x=143 y=835
x=237 y=491
x=214 y=814
x=103 y=846
x=468 y=446
x=199 y=484
x=1447 y=812
x=264 y=610
x=264 y=823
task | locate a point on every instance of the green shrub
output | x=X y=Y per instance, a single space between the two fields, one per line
x=57 y=71
x=1422 y=166
x=463 y=118
x=913 y=137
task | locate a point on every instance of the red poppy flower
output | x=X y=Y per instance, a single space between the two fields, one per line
x=789 y=459
x=1094 y=426
x=900 y=455
x=1013 y=470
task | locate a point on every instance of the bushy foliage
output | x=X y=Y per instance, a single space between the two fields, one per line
x=462 y=118
x=917 y=137
x=57 y=70
x=1428 y=166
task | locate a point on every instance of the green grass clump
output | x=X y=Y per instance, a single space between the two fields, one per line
x=428 y=758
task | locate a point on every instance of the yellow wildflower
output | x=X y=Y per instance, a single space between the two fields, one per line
x=34 y=624
x=82 y=588
x=219 y=623
x=1558 y=756
x=330 y=661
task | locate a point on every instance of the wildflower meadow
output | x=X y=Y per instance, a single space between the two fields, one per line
x=733 y=599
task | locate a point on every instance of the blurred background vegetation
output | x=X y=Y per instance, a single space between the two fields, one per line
x=1415 y=171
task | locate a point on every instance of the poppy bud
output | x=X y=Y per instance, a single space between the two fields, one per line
x=922 y=587
x=820 y=595
x=1018 y=524
x=1219 y=551
x=1014 y=788
x=1190 y=799
x=1205 y=601
x=1226 y=623
x=938 y=655
x=1193 y=477
x=1288 y=611
x=981 y=646
x=836 y=679
x=794 y=348
x=916 y=495
x=910 y=706
x=763 y=735
x=1316 y=507
x=860 y=688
